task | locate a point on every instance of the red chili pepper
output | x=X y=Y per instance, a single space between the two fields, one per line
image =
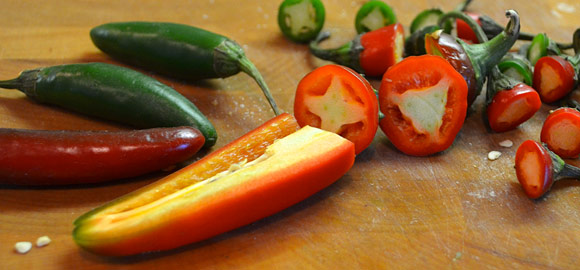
x=424 y=100
x=370 y=53
x=553 y=78
x=45 y=157
x=511 y=107
x=220 y=192
x=561 y=132
x=337 y=99
x=464 y=31
x=537 y=168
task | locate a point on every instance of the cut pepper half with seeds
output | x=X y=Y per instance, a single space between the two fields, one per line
x=263 y=172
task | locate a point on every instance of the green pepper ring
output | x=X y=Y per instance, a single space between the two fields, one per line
x=368 y=7
x=319 y=16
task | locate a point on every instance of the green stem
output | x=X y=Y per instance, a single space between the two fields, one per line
x=234 y=51
x=576 y=41
x=463 y=5
x=347 y=54
x=560 y=168
x=479 y=33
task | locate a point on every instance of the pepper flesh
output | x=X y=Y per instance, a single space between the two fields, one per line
x=553 y=78
x=561 y=132
x=301 y=20
x=370 y=53
x=373 y=15
x=534 y=169
x=424 y=107
x=339 y=100
x=45 y=157
x=511 y=107
x=293 y=168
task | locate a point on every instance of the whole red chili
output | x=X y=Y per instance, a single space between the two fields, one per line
x=50 y=157
x=370 y=53
x=537 y=168
x=561 y=132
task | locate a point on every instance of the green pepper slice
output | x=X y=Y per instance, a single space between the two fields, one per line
x=301 y=20
x=541 y=46
x=516 y=67
x=426 y=18
x=373 y=15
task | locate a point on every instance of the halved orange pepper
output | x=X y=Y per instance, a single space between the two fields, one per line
x=259 y=174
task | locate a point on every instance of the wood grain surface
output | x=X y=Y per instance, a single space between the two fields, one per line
x=453 y=210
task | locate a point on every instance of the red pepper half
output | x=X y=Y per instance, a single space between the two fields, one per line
x=45 y=157
x=194 y=204
x=553 y=78
x=424 y=100
x=537 y=168
x=511 y=107
x=337 y=99
x=561 y=132
x=370 y=53
x=534 y=169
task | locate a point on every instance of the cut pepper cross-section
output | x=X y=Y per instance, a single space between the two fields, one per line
x=424 y=100
x=289 y=170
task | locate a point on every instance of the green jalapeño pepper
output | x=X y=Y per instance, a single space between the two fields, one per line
x=373 y=15
x=114 y=93
x=301 y=20
x=473 y=62
x=177 y=50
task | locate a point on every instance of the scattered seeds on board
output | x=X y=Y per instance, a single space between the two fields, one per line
x=23 y=247
x=42 y=241
x=493 y=155
x=506 y=143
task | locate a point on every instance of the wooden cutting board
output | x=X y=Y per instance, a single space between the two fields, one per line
x=456 y=209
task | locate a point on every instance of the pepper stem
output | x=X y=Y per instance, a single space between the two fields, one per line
x=347 y=54
x=463 y=5
x=236 y=53
x=561 y=169
x=11 y=84
x=576 y=41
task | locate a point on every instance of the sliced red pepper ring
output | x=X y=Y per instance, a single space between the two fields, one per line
x=553 y=78
x=177 y=210
x=424 y=100
x=561 y=132
x=337 y=99
x=512 y=107
x=534 y=169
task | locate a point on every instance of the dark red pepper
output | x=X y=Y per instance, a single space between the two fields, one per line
x=474 y=62
x=51 y=157
x=370 y=53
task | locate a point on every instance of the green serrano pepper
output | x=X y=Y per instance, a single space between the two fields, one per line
x=114 y=93
x=177 y=50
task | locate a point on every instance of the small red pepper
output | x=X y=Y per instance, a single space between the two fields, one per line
x=554 y=78
x=424 y=100
x=370 y=53
x=561 y=132
x=337 y=99
x=511 y=107
x=537 y=168
x=47 y=157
